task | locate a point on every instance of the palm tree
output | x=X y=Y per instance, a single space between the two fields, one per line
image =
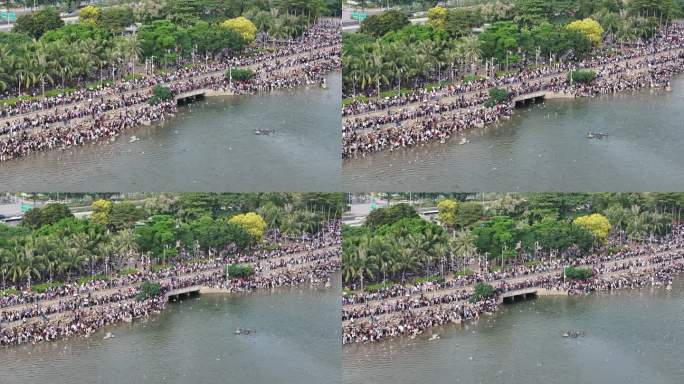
x=85 y=60
x=80 y=251
x=452 y=57
x=377 y=66
x=427 y=241
x=407 y=258
x=44 y=67
x=4 y=74
x=14 y=259
x=104 y=251
x=28 y=260
x=73 y=260
x=470 y=46
x=464 y=245
x=24 y=66
x=617 y=216
x=64 y=57
x=5 y=257
x=635 y=227
x=364 y=263
x=383 y=250
x=130 y=49
x=422 y=62
x=348 y=272
x=395 y=57
x=124 y=245
x=443 y=254
x=48 y=254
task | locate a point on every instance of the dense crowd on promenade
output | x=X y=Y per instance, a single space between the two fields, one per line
x=429 y=115
x=89 y=115
x=317 y=37
x=408 y=310
x=82 y=308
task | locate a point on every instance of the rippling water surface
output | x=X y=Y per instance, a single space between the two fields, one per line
x=208 y=146
x=544 y=148
x=296 y=342
x=630 y=337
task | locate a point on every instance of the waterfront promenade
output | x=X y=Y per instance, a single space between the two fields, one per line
x=426 y=115
x=409 y=310
x=308 y=262
x=93 y=115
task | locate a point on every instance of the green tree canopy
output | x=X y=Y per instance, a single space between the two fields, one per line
x=378 y=25
x=381 y=216
x=35 y=24
x=49 y=214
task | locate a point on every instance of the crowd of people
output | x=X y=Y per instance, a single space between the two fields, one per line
x=410 y=309
x=75 y=308
x=88 y=115
x=435 y=114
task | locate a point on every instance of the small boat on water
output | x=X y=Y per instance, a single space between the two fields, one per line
x=464 y=141
x=265 y=132
x=596 y=135
x=244 y=331
x=573 y=334
x=109 y=335
x=133 y=139
x=434 y=337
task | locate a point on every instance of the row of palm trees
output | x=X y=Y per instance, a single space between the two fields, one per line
x=636 y=224
x=46 y=258
x=379 y=258
x=372 y=66
x=391 y=257
x=59 y=63
x=292 y=222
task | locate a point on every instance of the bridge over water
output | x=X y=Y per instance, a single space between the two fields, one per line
x=534 y=97
x=193 y=289
x=190 y=95
x=518 y=294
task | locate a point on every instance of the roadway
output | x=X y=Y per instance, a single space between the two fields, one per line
x=67 y=20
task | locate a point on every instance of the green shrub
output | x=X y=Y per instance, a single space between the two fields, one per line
x=239 y=270
x=359 y=98
x=128 y=271
x=43 y=287
x=58 y=91
x=583 y=76
x=8 y=292
x=132 y=76
x=239 y=74
x=12 y=101
x=148 y=289
x=159 y=94
x=87 y=279
x=471 y=78
x=378 y=286
x=574 y=273
x=482 y=291
x=496 y=96
x=464 y=272
x=435 y=278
